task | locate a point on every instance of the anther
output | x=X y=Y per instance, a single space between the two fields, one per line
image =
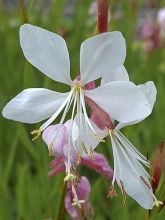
x=110 y=191
x=83 y=147
x=98 y=138
x=50 y=150
x=123 y=193
x=91 y=154
x=75 y=173
x=145 y=182
x=78 y=158
x=36 y=134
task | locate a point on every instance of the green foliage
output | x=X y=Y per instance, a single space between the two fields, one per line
x=26 y=192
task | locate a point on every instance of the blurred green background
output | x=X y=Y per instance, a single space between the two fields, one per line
x=26 y=193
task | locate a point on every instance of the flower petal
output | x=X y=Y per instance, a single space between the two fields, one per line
x=149 y=90
x=33 y=105
x=99 y=164
x=123 y=101
x=59 y=141
x=83 y=189
x=132 y=182
x=47 y=51
x=119 y=74
x=100 y=54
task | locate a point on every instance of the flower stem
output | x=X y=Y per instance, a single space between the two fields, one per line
x=102 y=16
x=23 y=11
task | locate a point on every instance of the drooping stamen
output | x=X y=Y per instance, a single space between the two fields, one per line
x=55 y=115
x=115 y=159
x=83 y=147
x=110 y=191
x=86 y=116
x=128 y=150
x=54 y=136
x=36 y=133
x=69 y=142
x=91 y=154
x=98 y=138
x=78 y=158
x=50 y=150
x=75 y=173
x=123 y=193
x=130 y=162
x=131 y=145
x=146 y=183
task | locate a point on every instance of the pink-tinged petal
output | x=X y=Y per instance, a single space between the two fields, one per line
x=158 y=166
x=83 y=189
x=99 y=116
x=99 y=164
x=58 y=160
x=90 y=85
x=57 y=166
x=58 y=132
x=56 y=170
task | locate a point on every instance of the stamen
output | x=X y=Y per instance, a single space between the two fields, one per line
x=83 y=147
x=98 y=138
x=36 y=134
x=110 y=191
x=75 y=173
x=123 y=193
x=91 y=154
x=78 y=158
x=50 y=150
x=69 y=178
x=146 y=183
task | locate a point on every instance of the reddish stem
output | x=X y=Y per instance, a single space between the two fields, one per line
x=158 y=166
x=102 y=16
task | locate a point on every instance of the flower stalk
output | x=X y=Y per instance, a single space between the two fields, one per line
x=102 y=16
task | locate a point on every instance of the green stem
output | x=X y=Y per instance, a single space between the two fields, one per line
x=23 y=11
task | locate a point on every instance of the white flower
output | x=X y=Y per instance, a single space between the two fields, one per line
x=98 y=55
x=129 y=172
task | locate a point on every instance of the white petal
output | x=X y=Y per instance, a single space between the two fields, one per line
x=149 y=90
x=47 y=51
x=101 y=54
x=33 y=105
x=132 y=182
x=122 y=100
x=119 y=74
